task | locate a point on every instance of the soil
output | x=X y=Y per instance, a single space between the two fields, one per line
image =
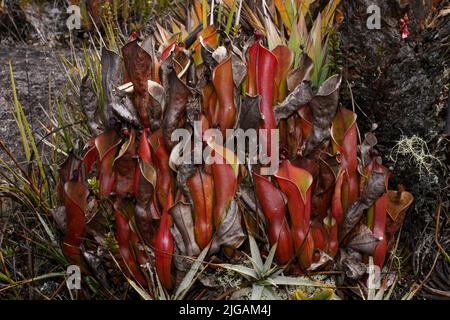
x=34 y=38
x=39 y=78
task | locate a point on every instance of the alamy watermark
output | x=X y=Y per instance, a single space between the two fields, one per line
x=74 y=20
x=374 y=20
x=73 y=280
x=237 y=147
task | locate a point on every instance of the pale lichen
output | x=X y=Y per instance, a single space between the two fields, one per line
x=416 y=149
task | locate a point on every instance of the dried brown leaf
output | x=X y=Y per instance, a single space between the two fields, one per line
x=301 y=96
x=374 y=189
x=177 y=98
x=230 y=233
x=363 y=241
x=184 y=222
x=324 y=106
x=250 y=116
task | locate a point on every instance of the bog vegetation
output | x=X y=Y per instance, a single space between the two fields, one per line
x=130 y=216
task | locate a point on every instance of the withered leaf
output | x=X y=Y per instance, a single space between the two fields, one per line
x=157 y=92
x=124 y=110
x=179 y=244
x=97 y=228
x=247 y=195
x=92 y=209
x=181 y=63
x=67 y=170
x=193 y=109
x=182 y=218
x=239 y=69
x=185 y=171
x=138 y=65
x=366 y=148
x=208 y=279
x=351 y=263
x=144 y=198
x=207 y=56
x=148 y=44
x=95 y=264
x=111 y=78
x=177 y=98
x=374 y=189
x=230 y=233
x=364 y=241
x=124 y=166
x=250 y=116
x=157 y=95
x=323 y=260
x=165 y=69
x=324 y=106
x=294 y=135
x=301 y=96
